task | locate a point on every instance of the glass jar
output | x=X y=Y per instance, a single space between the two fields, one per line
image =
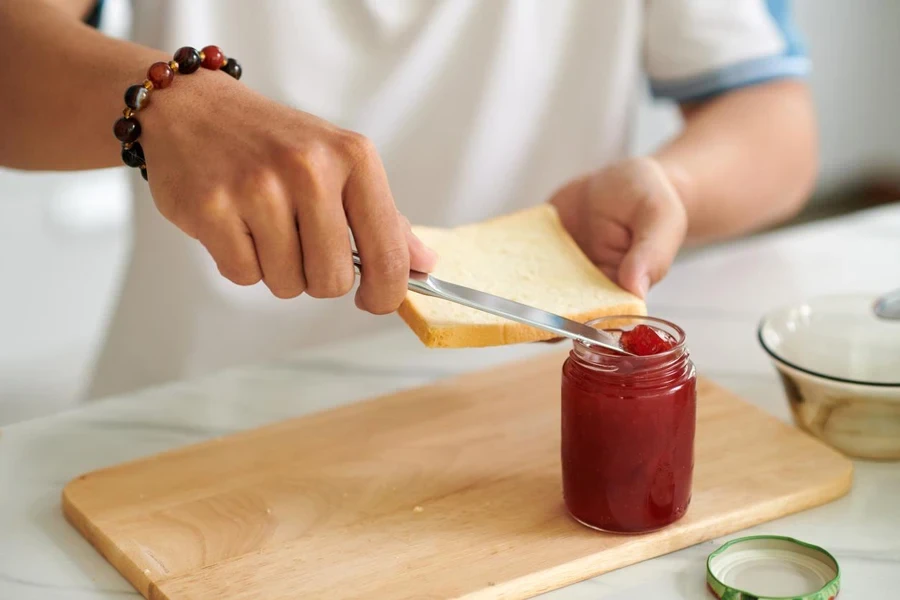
x=628 y=432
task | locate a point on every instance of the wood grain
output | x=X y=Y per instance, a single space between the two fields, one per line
x=449 y=491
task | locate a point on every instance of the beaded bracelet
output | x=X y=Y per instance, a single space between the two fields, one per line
x=160 y=75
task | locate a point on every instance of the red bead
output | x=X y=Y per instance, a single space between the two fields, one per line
x=161 y=74
x=213 y=58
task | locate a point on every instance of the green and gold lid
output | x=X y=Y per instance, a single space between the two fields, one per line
x=772 y=568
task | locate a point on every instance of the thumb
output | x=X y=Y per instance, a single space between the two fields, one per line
x=421 y=257
x=656 y=238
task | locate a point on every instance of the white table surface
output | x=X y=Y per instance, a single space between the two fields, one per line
x=717 y=295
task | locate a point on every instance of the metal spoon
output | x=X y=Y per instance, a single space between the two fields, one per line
x=888 y=305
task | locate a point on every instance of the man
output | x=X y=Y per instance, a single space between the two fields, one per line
x=374 y=113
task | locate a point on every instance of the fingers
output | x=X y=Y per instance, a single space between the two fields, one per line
x=611 y=237
x=227 y=239
x=569 y=204
x=608 y=242
x=271 y=220
x=654 y=249
x=604 y=240
x=289 y=225
x=657 y=234
x=327 y=254
x=611 y=271
x=378 y=231
x=324 y=237
x=421 y=257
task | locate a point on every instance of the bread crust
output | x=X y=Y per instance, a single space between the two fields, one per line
x=485 y=335
x=479 y=335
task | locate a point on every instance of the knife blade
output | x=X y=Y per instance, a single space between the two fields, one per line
x=429 y=285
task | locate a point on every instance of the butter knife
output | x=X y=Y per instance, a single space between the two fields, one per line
x=423 y=283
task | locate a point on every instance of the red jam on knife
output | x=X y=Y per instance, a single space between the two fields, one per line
x=628 y=428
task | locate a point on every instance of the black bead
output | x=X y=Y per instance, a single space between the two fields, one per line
x=127 y=130
x=188 y=60
x=134 y=156
x=144 y=174
x=232 y=67
x=137 y=97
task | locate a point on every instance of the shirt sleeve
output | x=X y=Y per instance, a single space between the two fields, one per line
x=696 y=49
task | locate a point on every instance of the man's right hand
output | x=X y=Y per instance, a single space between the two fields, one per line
x=270 y=192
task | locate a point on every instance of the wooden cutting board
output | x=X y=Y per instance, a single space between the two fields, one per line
x=449 y=491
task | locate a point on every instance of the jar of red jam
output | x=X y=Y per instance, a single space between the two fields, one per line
x=628 y=429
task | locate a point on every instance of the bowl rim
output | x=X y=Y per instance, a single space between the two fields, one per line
x=795 y=366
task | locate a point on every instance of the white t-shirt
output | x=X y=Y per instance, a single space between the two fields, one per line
x=478 y=108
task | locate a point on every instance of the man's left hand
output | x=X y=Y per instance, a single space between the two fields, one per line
x=628 y=218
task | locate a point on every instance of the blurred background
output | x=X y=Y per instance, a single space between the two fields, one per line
x=64 y=237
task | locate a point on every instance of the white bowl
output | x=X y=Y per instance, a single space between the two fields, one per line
x=840 y=366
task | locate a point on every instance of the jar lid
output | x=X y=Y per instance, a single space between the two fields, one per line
x=772 y=568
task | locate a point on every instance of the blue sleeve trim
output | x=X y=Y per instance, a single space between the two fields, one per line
x=780 y=11
x=793 y=62
x=735 y=76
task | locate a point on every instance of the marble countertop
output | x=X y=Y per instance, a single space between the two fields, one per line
x=717 y=295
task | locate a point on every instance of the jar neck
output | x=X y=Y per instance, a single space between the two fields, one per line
x=608 y=366
x=650 y=372
x=603 y=361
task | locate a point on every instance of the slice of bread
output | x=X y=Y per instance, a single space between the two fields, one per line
x=526 y=256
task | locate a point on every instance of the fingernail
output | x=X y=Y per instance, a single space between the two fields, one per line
x=643 y=286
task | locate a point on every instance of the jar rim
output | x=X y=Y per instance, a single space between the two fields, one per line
x=668 y=327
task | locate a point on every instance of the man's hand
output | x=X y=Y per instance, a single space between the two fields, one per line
x=271 y=192
x=745 y=159
x=628 y=218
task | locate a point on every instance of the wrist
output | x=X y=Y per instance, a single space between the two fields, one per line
x=187 y=61
x=188 y=99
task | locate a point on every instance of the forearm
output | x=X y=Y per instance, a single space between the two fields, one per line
x=63 y=88
x=745 y=160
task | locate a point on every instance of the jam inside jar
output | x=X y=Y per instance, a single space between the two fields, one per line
x=628 y=432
